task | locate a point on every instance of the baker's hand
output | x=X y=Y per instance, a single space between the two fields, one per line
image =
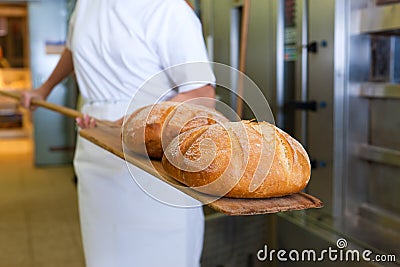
x=26 y=97
x=85 y=122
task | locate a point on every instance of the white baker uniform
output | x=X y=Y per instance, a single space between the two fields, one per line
x=117 y=45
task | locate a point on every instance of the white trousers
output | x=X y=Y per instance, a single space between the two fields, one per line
x=123 y=226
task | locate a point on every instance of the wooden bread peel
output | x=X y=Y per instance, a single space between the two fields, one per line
x=107 y=135
x=109 y=139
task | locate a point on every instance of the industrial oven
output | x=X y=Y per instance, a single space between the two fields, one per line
x=330 y=70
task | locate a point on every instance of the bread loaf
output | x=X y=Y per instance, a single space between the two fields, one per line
x=149 y=129
x=238 y=159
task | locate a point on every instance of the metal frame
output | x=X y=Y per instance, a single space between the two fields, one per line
x=380 y=90
x=340 y=74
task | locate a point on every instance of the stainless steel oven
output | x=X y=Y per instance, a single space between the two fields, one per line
x=329 y=69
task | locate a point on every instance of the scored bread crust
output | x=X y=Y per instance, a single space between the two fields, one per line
x=239 y=160
x=150 y=128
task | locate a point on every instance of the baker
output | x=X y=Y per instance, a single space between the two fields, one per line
x=114 y=47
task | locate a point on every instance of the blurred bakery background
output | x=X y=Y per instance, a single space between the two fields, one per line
x=330 y=70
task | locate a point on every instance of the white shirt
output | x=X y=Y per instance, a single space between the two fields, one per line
x=117 y=45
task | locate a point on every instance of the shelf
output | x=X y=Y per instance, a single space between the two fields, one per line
x=380 y=90
x=14 y=133
x=380 y=216
x=379 y=19
x=379 y=155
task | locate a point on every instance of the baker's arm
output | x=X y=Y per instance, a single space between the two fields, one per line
x=204 y=95
x=63 y=68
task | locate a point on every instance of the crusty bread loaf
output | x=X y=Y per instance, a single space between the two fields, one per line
x=149 y=129
x=238 y=159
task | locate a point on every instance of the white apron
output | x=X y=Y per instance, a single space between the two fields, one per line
x=117 y=45
x=121 y=225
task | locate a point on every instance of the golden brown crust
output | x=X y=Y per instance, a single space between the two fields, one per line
x=149 y=129
x=245 y=160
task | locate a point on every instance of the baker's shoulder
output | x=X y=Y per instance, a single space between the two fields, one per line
x=177 y=5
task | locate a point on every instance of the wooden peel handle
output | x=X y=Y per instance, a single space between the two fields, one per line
x=60 y=109
x=37 y=102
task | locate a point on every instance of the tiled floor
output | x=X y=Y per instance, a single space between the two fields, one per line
x=39 y=224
